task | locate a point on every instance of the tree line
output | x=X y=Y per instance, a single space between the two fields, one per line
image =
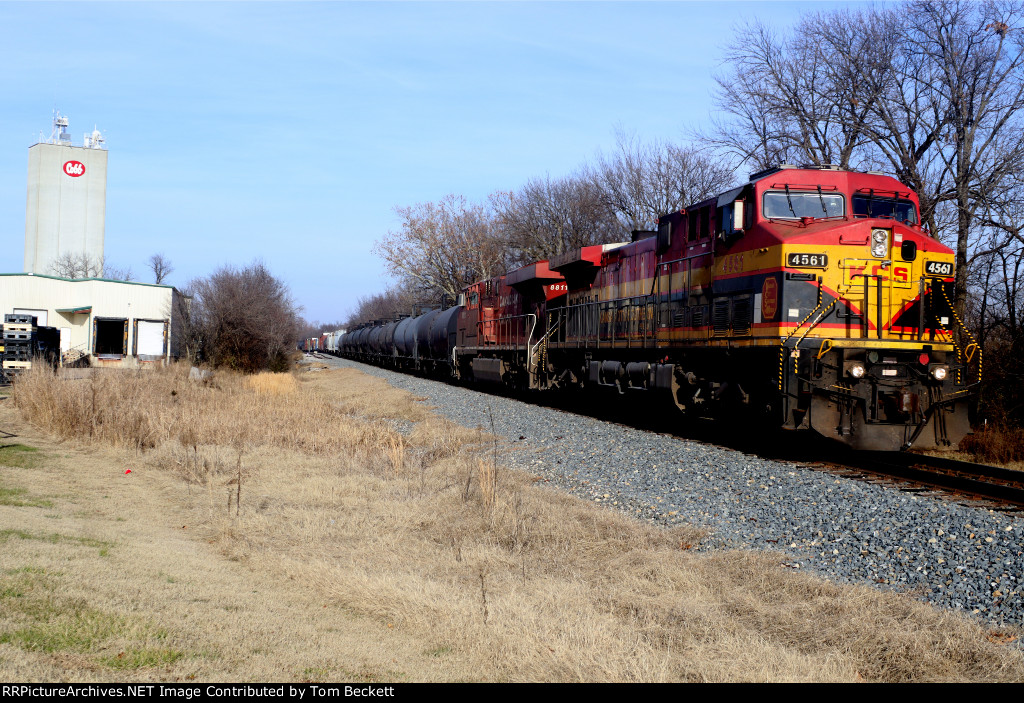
x=441 y=247
x=930 y=92
x=82 y=265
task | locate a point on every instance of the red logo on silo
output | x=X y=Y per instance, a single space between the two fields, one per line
x=74 y=168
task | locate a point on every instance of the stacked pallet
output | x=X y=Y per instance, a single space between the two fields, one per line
x=24 y=341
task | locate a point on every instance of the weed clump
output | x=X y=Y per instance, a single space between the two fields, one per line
x=995 y=444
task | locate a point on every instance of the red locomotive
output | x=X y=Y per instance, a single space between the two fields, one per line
x=810 y=298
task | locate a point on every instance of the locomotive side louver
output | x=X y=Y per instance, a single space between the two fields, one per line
x=720 y=316
x=741 y=315
x=698 y=315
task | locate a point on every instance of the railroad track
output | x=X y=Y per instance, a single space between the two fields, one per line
x=980 y=485
x=960 y=480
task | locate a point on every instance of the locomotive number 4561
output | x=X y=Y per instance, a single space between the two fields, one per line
x=807 y=261
x=939 y=268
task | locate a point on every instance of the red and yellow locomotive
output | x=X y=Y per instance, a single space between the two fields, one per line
x=808 y=297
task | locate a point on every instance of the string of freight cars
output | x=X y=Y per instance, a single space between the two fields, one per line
x=826 y=268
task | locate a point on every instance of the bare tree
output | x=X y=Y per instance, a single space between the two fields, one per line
x=82 y=265
x=391 y=304
x=188 y=326
x=246 y=318
x=898 y=114
x=977 y=50
x=547 y=217
x=117 y=273
x=795 y=99
x=640 y=182
x=161 y=267
x=443 y=247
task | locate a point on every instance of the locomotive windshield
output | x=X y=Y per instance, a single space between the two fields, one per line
x=870 y=205
x=791 y=205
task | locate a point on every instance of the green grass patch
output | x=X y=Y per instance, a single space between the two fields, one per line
x=26 y=570
x=19 y=498
x=20 y=456
x=315 y=674
x=23 y=457
x=37 y=618
x=141 y=658
x=57 y=538
x=58 y=630
x=17 y=582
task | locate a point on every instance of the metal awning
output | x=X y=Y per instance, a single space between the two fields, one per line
x=83 y=310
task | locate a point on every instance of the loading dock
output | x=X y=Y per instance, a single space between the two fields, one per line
x=110 y=337
x=150 y=339
x=113 y=323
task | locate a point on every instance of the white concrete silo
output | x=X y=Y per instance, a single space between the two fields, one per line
x=67 y=194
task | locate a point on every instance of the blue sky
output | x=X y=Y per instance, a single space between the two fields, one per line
x=288 y=131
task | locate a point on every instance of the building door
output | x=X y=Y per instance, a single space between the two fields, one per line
x=150 y=339
x=39 y=314
x=110 y=337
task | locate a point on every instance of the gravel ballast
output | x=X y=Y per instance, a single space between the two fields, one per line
x=958 y=557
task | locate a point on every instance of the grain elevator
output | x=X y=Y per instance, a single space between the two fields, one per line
x=67 y=193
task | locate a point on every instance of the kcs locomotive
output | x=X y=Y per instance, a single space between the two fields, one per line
x=809 y=298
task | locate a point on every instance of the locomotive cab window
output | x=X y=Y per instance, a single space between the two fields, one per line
x=793 y=205
x=730 y=217
x=699 y=223
x=870 y=205
x=731 y=220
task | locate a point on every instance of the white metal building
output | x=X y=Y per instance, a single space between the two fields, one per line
x=112 y=323
x=67 y=195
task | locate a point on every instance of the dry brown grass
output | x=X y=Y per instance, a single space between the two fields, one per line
x=143 y=409
x=366 y=396
x=106 y=576
x=1001 y=445
x=273 y=383
x=496 y=577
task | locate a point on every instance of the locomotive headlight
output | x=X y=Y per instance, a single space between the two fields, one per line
x=879 y=243
x=939 y=373
x=855 y=370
